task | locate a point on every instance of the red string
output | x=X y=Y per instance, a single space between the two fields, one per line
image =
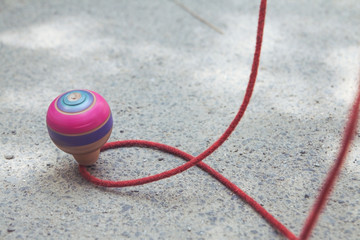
x=232 y=125
x=349 y=133
x=192 y=161
x=174 y=151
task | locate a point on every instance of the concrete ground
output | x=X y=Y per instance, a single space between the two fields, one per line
x=171 y=78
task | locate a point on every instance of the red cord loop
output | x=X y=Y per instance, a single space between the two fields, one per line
x=187 y=157
x=192 y=160
x=231 y=127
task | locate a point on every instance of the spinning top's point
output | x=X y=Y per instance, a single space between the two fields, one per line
x=79 y=122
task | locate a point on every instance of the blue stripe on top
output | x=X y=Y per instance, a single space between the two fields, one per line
x=75 y=141
x=79 y=105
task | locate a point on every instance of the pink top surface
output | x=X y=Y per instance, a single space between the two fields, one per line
x=81 y=122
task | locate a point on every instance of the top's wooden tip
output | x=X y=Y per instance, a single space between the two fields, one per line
x=87 y=159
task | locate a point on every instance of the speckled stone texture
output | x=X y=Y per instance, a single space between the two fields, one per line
x=170 y=78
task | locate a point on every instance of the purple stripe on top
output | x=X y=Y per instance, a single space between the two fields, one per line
x=74 y=141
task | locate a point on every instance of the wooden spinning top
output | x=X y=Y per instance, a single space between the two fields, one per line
x=79 y=122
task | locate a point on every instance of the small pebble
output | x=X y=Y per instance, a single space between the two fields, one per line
x=8 y=156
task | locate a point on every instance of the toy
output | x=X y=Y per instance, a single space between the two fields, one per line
x=79 y=122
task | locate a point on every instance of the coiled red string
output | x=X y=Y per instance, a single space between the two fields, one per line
x=192 y=161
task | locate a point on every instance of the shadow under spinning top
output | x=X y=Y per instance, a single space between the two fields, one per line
x=79 y=122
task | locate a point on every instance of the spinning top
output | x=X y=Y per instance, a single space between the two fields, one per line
x=79 y=122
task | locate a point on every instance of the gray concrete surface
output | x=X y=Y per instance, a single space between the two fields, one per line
x=172 y=79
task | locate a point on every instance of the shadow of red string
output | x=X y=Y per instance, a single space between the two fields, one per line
x=197 y=160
